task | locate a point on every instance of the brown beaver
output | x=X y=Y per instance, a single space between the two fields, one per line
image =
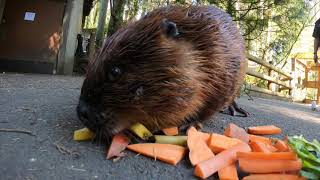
x=174 y=65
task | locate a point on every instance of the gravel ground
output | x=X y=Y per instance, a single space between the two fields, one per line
x=45 y=105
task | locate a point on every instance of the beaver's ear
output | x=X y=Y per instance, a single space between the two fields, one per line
x=169 y=28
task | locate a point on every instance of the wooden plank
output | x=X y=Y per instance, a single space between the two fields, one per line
x=302 y=64
x=311 y=84
x=315 y=68
x=270 y=66
x=266 y=77
x=266 y=91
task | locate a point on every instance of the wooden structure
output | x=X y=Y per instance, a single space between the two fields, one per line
x=305 y=60
x=275 y=76
x=40 y=36
x=293 y=84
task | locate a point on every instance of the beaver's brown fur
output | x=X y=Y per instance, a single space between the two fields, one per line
x=173 y=65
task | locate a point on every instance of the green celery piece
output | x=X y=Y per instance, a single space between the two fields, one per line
x=309 y=153
x=309 y=175
x=311 y=167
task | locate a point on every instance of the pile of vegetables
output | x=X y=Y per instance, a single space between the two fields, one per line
x=248 y=151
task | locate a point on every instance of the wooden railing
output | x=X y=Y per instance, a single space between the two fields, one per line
x=281 y=78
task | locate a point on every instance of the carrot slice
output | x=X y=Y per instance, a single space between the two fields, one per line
x=205 y=137
x=118 y=144
x=261 y=147
x=220 y=143
x=281 y=146
x=228 y=173
x=198 y=149
x=221 y=160
x=270 y=166
x=268 y=156
x=260 y=139
x=273 y=177
x=264 y=130
x=172 y=131
x=235 y=131
x=168 y=153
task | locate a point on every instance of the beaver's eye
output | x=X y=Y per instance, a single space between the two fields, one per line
x=115 y=73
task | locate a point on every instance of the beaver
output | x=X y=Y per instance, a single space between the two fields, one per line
x=174 y=65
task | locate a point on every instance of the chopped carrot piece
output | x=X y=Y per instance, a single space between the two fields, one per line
x=168 y=153
x=264 y=130
x=221 y=160
x=205 y=137
x=261 y=147
x=118 y=144
x=273 y=177
x=260 y=139
x=198 y=149
x=172 y=131
x=270 y=166
x=235 y=131
x=220 y=143
x=228 y=173
x=268 y=156
x=281 y=146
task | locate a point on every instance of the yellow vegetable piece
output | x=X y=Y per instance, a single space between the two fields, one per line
x=83 y=134
x=176 y=140
x=141 y=131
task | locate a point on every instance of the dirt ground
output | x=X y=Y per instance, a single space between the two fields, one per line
x=45 y=105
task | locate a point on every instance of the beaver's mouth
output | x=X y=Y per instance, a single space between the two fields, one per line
x=102 y=123
x=91 y=117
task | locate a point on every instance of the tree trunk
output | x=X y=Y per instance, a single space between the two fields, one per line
x=116 y=17
x=101 y=22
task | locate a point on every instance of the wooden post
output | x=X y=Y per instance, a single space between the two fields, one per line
x=269 y=83
x=294 y=79
x=318 y=85
x=101 y=21
x=71 y=28
x=92 y=46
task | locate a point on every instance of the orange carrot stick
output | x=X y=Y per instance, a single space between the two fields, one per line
x=260 y=139
x=273 y=177
x=171 y=131
x=270 y=166
x=220 y=143
x=198 y=149
x=268 y=156
x=118 y=144
x=221 y=160
x=205 y=136
x=228 y=173
x=261 y=147
x=281 y=146
x=168 y=153
x=264 y=130
x=235 y=131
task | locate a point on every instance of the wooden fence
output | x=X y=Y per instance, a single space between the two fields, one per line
x=274 y=76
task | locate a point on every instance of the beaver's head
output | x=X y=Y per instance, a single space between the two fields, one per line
x=146 y=72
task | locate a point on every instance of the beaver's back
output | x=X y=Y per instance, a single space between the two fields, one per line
x=212 y=32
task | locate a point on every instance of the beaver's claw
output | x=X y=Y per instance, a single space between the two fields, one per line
x=198 y=125
x=235 y=110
